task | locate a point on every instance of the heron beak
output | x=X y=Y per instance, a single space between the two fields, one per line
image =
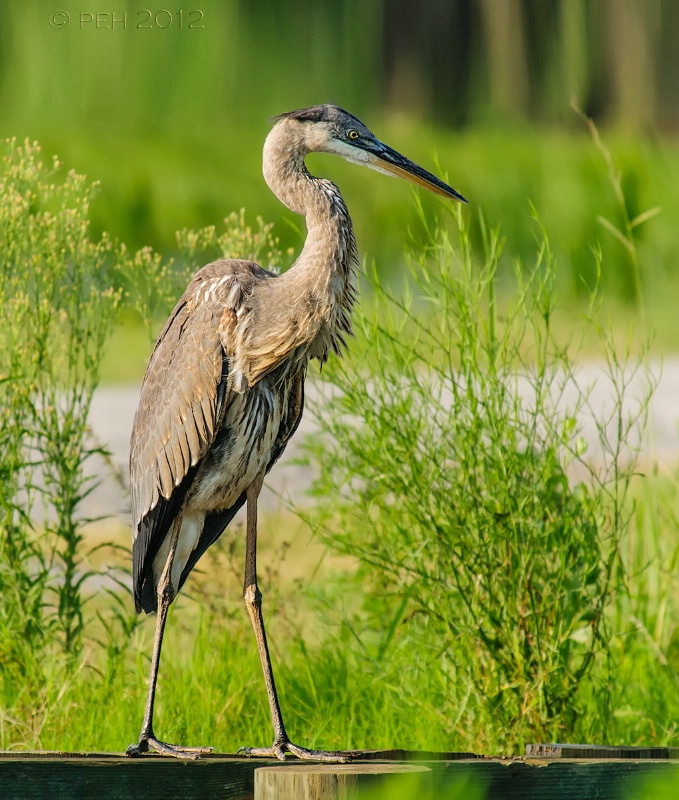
x=384 y=159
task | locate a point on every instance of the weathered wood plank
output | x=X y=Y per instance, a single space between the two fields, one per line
x=542 y=779
x=410 y=755
x=336 y=781
x=599 y=751
x=120 y=778
x=100 y=776
x=359 y=755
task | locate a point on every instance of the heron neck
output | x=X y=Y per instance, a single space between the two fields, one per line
x=329 y=249
x=330 y=240
x=318 y=292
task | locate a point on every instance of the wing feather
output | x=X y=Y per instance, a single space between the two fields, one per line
x=165 y=475
x=182 y=402
x=208 y=415
x=192 y=434
x=181 y=464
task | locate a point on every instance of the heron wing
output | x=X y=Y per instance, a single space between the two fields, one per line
x=182 y=403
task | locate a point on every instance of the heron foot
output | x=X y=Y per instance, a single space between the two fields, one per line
x=151 y=744
x=279 y=749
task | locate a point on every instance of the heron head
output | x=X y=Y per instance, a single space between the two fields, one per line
x=331 y=129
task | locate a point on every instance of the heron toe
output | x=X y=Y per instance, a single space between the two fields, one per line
x=151 y=744
x=278 y=750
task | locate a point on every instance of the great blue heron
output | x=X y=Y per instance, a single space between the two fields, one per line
x=224 y=389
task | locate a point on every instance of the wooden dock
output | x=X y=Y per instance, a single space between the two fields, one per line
x=547 y=772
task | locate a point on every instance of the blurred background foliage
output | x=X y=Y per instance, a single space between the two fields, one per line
x=171 y=118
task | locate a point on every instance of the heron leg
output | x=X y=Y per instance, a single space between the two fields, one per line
x=253 y=603
x=147 y=739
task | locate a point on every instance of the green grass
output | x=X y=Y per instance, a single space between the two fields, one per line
x=466 y=594
x=343 y=681
x=211 y=690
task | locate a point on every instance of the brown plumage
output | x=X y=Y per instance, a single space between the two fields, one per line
x=224 y=388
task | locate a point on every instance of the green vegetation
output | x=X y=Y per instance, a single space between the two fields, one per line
x=171 y=120
x=59 y=296
x=488 y=536
x=57 y=307
x=478 y=580
x=562 y=175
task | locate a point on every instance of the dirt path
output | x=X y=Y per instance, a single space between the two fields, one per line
x=113 y=411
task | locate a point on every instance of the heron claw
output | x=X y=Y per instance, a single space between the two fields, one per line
x=150 y=743
x=278 y=750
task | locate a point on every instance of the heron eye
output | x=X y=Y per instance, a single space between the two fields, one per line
x=352 y=134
